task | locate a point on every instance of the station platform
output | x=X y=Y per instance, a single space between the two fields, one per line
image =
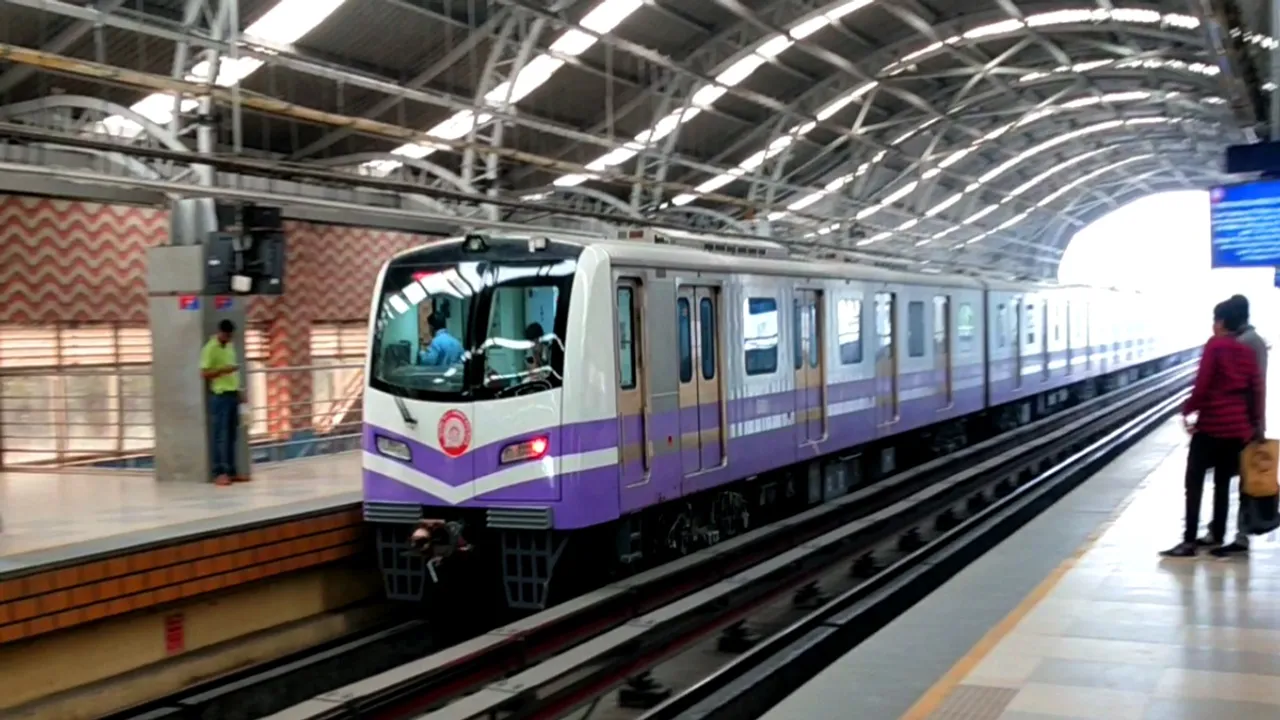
x=76 y=547
x=1077 y=616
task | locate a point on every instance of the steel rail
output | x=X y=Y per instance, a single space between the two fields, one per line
x=433 y=680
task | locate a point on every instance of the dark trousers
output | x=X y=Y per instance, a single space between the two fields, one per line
x=1222 y=455
x=224 y=421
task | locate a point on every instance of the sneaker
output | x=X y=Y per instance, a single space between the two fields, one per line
x=1181 y=550
x=222 y=481
x=1234 y=548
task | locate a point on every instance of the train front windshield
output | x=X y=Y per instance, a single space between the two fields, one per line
x=473 y=329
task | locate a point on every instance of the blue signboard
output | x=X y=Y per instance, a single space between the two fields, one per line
x=1244 y=223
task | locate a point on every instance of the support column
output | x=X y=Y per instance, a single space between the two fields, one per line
x=183 y=318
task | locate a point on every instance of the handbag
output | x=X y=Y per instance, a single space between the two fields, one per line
x=1259 y=488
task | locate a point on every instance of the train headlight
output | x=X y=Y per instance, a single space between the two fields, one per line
x=394 y=448
x=530 y=449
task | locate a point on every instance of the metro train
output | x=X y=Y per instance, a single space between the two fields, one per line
x=622 y=401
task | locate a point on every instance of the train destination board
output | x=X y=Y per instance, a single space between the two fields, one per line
x=1244 y=223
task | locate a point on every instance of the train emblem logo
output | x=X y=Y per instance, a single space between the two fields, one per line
x=454 y=433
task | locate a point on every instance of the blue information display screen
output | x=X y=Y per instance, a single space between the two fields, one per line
x=1244 y=224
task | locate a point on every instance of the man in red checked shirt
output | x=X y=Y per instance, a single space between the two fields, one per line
x=1227 y=399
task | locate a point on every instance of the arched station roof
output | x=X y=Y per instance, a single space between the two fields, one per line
x=971 y=132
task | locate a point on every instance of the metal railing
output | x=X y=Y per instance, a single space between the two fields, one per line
x=102 y=415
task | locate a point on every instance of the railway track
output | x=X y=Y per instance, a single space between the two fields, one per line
x=708 y=613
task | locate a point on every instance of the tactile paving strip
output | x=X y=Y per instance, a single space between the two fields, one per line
x=974 y=702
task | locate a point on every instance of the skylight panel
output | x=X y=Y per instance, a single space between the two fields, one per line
x=942 y=206
x=774 y=46
x=573 y=43
x=980 y=214
x=740 y=70
x=609 y=14
x=847 y=8
x=716 y=183
x=806 y=201
x=995 y=28
x=707 y=95
x=289 y=20
x=571 y=180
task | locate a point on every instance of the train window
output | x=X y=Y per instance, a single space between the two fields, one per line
x=814 y=348
x=685 y=320
x=849 y=331
x=915 y=328
x=797 y=332
x=626 y=339
x=1002 y=325
x=1030 y=317
x=965 y=326
x=760 y=335
x=707 y=333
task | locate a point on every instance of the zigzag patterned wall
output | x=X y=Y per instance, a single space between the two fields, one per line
x=65 y=261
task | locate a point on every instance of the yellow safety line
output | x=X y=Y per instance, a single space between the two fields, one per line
x=933 y=698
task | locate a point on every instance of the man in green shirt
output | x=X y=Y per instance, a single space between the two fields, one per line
x=220 y=368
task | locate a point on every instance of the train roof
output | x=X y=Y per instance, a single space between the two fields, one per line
x=710 y=253
x=650 y=255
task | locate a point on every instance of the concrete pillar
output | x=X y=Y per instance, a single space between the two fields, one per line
x=183 y=318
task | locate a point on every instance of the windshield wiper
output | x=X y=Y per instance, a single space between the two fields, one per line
x=408 y=417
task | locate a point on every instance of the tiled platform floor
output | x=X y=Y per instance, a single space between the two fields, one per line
x=1127 y=635
x=52 y=517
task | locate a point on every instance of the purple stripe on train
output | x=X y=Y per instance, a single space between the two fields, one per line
x=485 y=460
x=601 y=494
x=594 y=435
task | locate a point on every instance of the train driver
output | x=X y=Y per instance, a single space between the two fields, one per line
x=444 y=349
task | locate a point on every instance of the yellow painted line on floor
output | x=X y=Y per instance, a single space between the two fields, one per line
x=933 y=698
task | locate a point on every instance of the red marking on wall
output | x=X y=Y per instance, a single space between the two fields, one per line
x=175 y=634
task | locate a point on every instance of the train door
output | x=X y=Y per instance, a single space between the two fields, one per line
x=1020 y=327
x=1066 y=333
x=1088 y=337
x=701 y=429
x=711 y=420
x=942 y=365
x=807 y=344
x=633 y=445
x=1045 y=330
x=886 y=384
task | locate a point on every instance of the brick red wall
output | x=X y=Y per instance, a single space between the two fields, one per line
x=63 y=261
x=69 y=261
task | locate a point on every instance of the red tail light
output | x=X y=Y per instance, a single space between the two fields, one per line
x=530 y=449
